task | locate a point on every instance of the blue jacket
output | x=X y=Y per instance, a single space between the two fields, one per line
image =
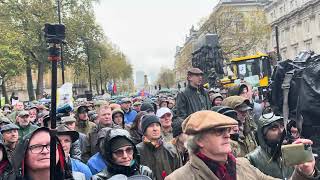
x=129 y=116
x=96 y=163
x=79 y=166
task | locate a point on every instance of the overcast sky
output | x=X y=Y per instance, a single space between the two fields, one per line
x=148 y=31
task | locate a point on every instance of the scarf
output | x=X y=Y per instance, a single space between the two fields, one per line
x=155 y=145
x=3 y=165
x=226 y=171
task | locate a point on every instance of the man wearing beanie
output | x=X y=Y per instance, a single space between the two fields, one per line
x=121 y=156
x=161 y=157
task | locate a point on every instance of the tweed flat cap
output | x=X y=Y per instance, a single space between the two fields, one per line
x=195 y=71
x=9 y=127
x=237 y=103
x=205 y=120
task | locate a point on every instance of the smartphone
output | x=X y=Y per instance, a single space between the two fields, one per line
x=294 y=154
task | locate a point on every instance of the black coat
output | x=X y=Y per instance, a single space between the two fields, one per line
x=190 y=101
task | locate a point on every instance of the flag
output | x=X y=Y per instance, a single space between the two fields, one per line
x=114 y=89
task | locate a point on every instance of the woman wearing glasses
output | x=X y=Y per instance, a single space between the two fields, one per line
x=32 y=158
x=122 y=156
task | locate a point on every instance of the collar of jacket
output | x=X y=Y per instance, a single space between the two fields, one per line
x=127 y=112
x=82 y=124
x=152 y=144
x=26 y=127
x=193 y=88
x=201 y=168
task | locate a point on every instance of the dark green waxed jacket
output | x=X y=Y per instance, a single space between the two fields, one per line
x=261 y=156
x=192 y=100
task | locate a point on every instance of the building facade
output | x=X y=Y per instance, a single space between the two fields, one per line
x=232 y=10
x=298 y=22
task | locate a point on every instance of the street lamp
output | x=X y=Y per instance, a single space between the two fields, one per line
x=88 y=59
x=0 y=88
x=100 y=59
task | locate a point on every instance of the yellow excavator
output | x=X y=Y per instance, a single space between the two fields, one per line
x=254 y=69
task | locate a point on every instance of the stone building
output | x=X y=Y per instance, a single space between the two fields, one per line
x=298 y=22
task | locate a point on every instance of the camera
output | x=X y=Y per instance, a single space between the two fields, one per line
x=54 y=33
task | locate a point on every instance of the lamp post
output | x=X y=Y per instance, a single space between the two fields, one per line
x=0 y=89
x=61 y=44
x=100 y=59
x=88 y=59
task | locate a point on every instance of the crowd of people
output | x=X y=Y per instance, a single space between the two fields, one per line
x=198 y=134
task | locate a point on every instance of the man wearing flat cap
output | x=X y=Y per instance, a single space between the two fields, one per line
x=211 y=157
x=10 y=138
x=247 y=128
x=193 y=98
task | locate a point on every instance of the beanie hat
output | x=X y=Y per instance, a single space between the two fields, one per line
x=119 y=142
x=176 y=127
x=147 y=120
x=147 y=107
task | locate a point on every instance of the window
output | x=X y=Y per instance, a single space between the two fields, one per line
x=308 y=44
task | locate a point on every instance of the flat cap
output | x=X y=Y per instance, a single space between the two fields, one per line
x=137 y=103
x=23 y=113
x=5 y=120
x=9 y=127
x=237 y=103
x=195 y=71
x=205 y=120
x=67 y=119
x=125 y=100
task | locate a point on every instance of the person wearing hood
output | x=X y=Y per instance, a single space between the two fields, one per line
x=10 y=138
x=160 y=156
x=247 y=139
x=32 y=158
x=121 y=156
x=266 y=157
x=129 y=113
x=194 y=98
x=24 y=124
x=105 y=120
x=97 y=162
x=118 y=118
x=216 y=99
x=66 y=138
x=83 y=124
x=6 y=168
x=135 y=130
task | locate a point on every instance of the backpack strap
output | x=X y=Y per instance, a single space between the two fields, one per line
x=286 y=87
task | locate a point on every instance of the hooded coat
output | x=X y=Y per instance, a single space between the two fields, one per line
x=262 y=155
x=114 y=169
x=63 y=171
